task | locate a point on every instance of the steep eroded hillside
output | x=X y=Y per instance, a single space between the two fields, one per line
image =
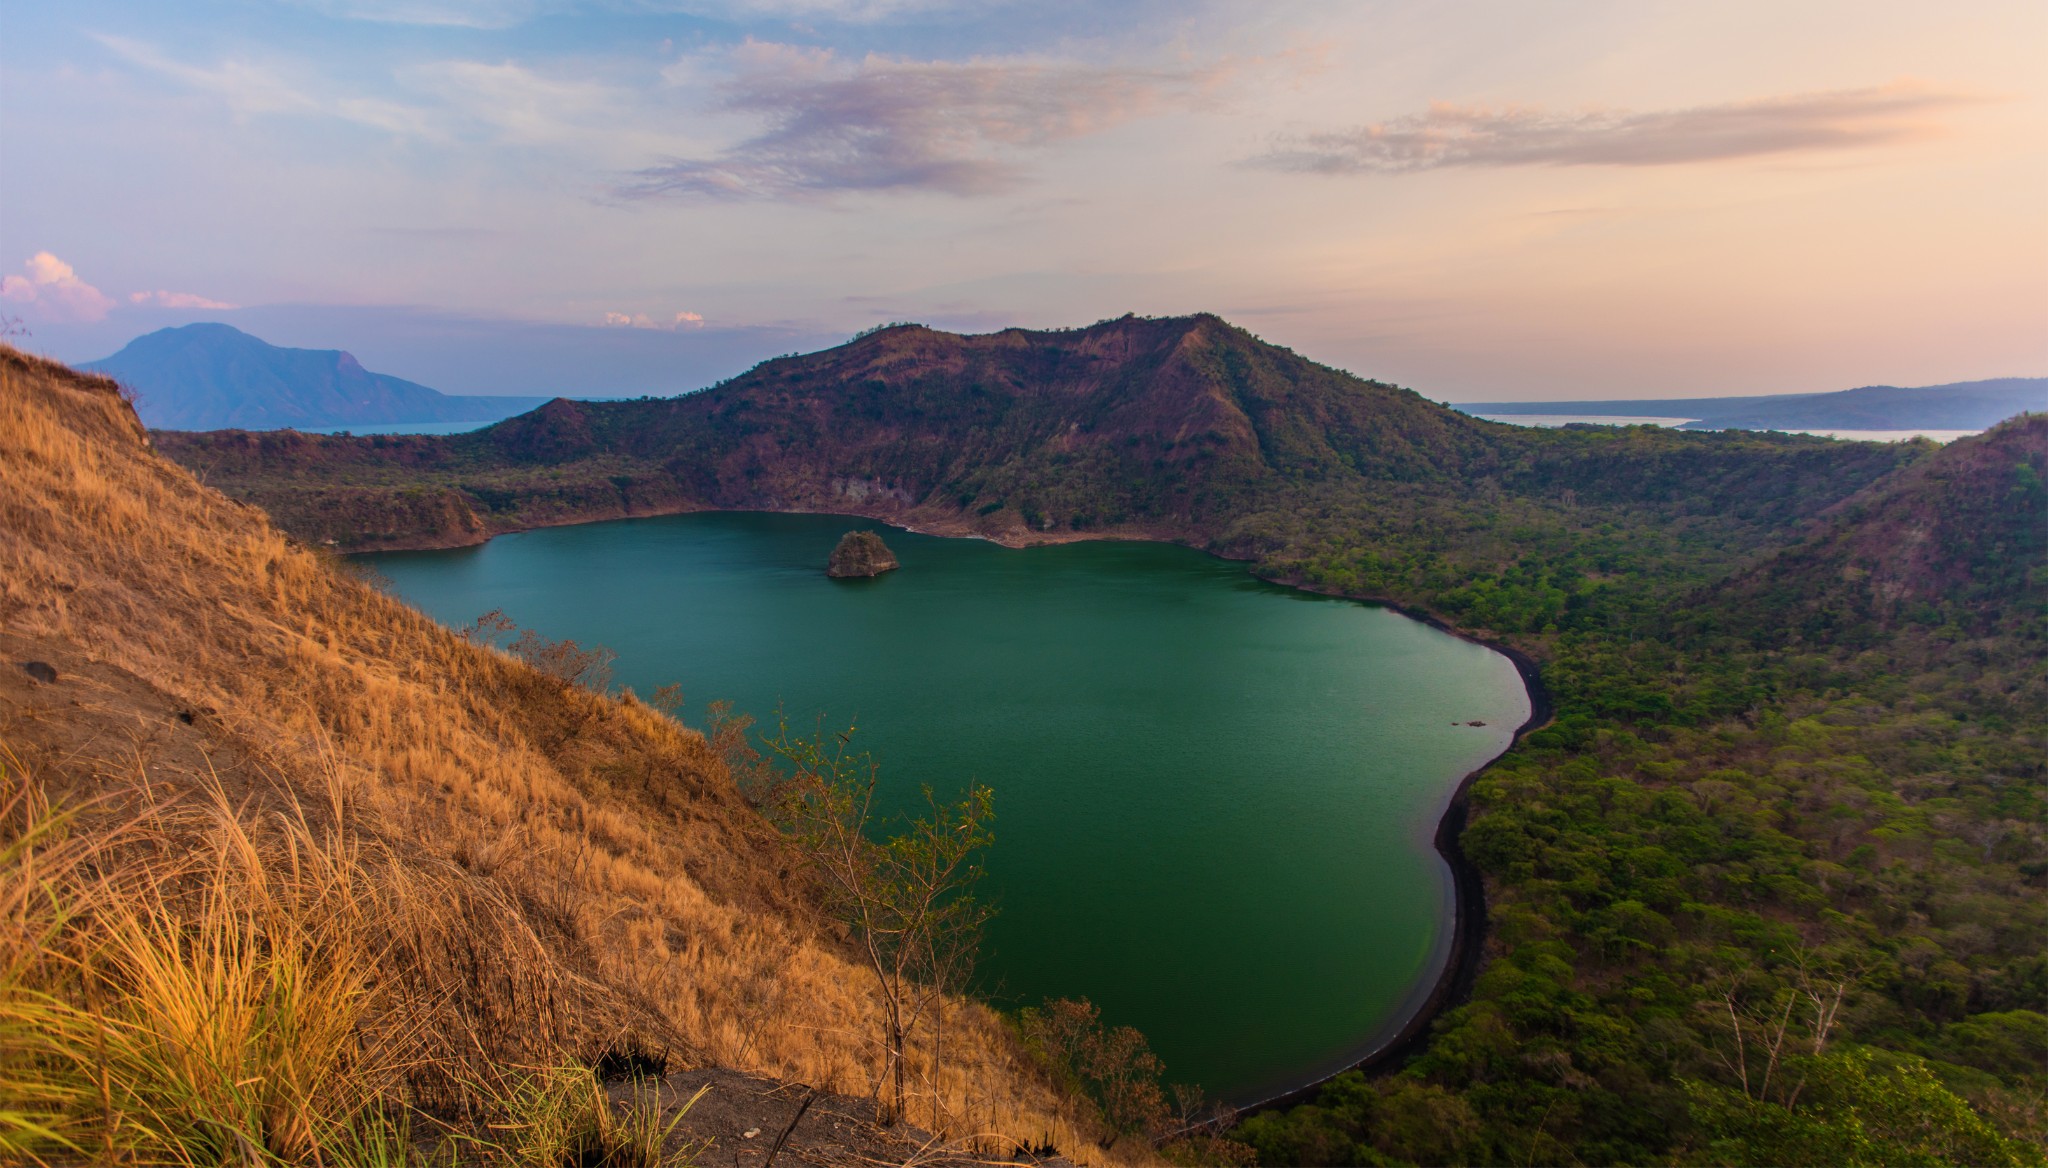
x=545 y=873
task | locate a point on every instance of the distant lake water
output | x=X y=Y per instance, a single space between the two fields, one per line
x=399 y=428
x=1555 y=420
x=1539 y=420
x=1215 y=797
x=1551 y=421
x=1891 y=435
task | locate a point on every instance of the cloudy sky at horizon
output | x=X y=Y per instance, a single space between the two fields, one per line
x=1528 y=200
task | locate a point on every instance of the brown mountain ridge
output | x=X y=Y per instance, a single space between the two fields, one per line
x=1176 y=428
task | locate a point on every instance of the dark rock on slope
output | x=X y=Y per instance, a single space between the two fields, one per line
x=747 y=1119
x=860 y=553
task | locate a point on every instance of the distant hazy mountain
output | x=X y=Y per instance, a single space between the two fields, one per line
x=1963 y=405
x=212 y=376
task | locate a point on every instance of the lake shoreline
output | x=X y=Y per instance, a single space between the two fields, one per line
x=1468 y=928
x=1469 y=916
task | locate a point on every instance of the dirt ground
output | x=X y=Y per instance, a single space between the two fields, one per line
x=740 y=1119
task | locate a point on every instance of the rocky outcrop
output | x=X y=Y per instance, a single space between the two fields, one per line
x=860 y=553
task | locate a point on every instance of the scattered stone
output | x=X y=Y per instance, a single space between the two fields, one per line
x=42 y=671
x=860 y=553
x=1475 y=722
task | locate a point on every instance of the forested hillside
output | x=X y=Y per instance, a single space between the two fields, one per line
x=1769 y=889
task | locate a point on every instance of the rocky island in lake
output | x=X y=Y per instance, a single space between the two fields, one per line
x=860 y=553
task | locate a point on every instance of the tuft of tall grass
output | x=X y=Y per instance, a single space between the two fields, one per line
x=381 y=1138
x=40 y=859
x=206 y=1009
x=560 y=1115
x=225 y=998
x=234 y=991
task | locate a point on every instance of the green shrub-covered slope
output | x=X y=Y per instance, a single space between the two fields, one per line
x=1770 y=888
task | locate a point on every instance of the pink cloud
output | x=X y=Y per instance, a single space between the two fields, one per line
x=163 y=299
x=888 y=124
x=1447 y=135
x=56 y=291
x=641 y=320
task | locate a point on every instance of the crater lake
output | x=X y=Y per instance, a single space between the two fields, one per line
x=1215 y=797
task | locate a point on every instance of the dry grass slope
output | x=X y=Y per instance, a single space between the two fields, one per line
x=541 y=873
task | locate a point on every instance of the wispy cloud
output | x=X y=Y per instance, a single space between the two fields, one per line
x=832 y=124
x=445 y=13
x=889 y=124
x=250 y=88
x=246 y=87
x=163 y=299
x=1453 y=135
x=440 y=101
x=640 y=320
x=495 y=14
x=516 y=103
x=56 y=291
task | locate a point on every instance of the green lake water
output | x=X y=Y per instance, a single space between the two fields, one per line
x=1215 y=797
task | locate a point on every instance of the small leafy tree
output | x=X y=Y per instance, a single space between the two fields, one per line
x=1861 y=1109
x=908 y=898
x=1114 y=1066
x=564 y=660
x=1773 y=1035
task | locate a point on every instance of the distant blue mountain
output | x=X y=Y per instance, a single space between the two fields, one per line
x=1961 y=405
x=214 y=377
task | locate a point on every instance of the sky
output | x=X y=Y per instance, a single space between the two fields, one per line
x=1527 y=200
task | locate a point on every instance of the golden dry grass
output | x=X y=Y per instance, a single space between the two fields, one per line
x=554 y=873
x=196 y=985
